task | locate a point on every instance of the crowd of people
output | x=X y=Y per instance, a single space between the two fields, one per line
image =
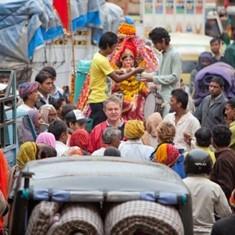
x=198 y=146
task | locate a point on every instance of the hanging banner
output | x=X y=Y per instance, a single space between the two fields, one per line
x=148 y=7
x=169 y=6
x=159 y=7
x=61 y=6
x=190 y=7
x=174 y=15
x=180 y=7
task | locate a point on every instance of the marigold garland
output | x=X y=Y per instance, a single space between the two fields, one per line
x=127 y=29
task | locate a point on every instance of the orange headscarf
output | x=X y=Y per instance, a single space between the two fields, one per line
x=166 y=154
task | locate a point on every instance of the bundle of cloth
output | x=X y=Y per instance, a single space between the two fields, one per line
x=204 y=76
x=52 y=218
x=143 y=217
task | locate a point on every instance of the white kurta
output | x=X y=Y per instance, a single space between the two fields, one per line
x=135 y=150
x=208 y=199
x=187 y=124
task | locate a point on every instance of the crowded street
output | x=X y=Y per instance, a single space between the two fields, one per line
x=117 y=117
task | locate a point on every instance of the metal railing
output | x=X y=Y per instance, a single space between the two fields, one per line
x=8 y=137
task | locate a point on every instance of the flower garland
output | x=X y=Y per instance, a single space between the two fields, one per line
x=126 y=29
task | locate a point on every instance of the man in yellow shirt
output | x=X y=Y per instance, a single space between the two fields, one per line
x=100 y=70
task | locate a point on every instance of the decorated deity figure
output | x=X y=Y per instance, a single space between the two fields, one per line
x=130 y=53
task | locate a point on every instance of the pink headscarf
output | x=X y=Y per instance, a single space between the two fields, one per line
x=46 y=138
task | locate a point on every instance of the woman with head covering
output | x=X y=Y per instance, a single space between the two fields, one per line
x=29 y=128
x=27 y=152
x=30 y=151
x=150 y=134
x=204 y=59
x=80 y=138
x=166 y=153
x=49 y=113
x=46 y=138
x=133 y=148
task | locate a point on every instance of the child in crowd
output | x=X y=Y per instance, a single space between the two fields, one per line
x=203 y=141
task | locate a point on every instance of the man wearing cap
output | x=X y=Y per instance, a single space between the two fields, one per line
x=75 y=120
x=28 y=92
x=133 y=148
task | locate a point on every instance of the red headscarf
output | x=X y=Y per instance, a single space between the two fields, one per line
x=127 y=44
x=80 y=138
x=166 y=154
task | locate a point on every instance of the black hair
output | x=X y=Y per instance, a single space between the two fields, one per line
x=231 y=102
x=67 y=108
x=215 y=39
x=221 y=136
x=218 y=80
x=46 y=151
x=203 y=137
x=57 y=103
x=42 y=76
x=108 y=39
x=50 y=70
x=71 y=118
x=57 y=128
x=112 y=151
x=181 y=96
x=158 y=34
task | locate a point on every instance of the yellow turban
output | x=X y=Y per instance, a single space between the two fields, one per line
x=27 y=152
x=134 y=129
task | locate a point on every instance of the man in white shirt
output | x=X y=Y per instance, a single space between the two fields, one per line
x=185 y=123
x=46 y=84
x=133 y=149
x=208 y=198
x=28 y=92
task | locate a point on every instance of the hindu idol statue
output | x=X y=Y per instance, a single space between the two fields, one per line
x=130 y=53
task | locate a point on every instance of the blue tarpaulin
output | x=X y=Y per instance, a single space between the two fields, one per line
x=27 y=24
x=24 y=26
